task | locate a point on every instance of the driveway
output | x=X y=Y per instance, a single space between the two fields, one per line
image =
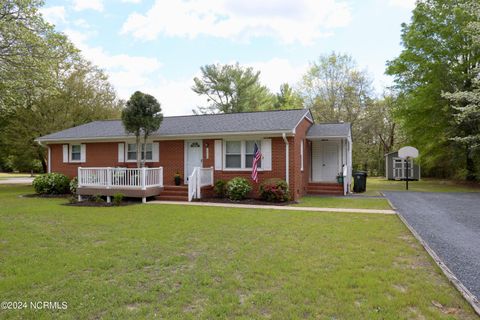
x=450 y=224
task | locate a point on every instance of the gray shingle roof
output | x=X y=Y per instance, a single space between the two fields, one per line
x=266 y=121
x=329 y=130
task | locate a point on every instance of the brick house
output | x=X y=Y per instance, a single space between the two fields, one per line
x=204 y=149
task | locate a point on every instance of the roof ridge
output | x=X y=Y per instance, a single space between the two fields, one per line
x=217 y=114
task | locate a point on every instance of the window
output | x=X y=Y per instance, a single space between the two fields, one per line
x=132 y=151
x=233 y=154
x=249 y=153
x=76 y=152
x=239 y=154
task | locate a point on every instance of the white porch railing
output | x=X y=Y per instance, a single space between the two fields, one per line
x=345 y=180
x=109 y=178
x=199 y=178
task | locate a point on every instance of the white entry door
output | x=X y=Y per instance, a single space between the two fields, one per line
x=325 y=166
x=193 y=157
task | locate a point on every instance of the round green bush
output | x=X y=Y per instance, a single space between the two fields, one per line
x=73 y=185
x=274 y=190
x=51 y=183
x=219 y=188
x=237 y=188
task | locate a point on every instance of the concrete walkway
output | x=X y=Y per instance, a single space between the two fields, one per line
x=287 y=208
x=16 y=181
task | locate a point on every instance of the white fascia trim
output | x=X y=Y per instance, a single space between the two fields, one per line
x=168 y=137
x=328 y=137
x=300 y=121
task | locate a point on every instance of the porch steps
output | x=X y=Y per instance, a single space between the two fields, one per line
x=173 y=193
x=325 y=189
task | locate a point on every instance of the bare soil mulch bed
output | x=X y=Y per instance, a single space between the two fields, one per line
x=247 y=201
x=90 y=203
x=37 y=195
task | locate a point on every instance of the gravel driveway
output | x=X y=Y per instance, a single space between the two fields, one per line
x=450 y=224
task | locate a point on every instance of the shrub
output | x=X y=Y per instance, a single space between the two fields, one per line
x=117 y=199
x=97 y=198
x=219 y=188
x=274 y=190
x=238 y=188
x=51 y=183
x=72 y=199
x=74 y=185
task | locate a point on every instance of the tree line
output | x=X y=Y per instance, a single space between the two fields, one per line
x=46 y=85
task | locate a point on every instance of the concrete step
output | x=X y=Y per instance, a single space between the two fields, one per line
x=171 y=198
x=176 y=188
x=327 y=187
x=325 y=192
x=174 y=193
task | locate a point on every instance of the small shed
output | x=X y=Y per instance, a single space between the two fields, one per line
x=396 y=167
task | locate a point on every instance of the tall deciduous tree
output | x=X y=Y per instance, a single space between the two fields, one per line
x=142 y=116
x=231 y=88
x=438 y=56
x=335 y=89
x=79 y=95
x=287 y=98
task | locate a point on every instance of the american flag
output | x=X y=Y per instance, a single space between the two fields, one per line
x=257 y=156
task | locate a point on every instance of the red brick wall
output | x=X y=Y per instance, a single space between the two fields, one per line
x=301 y=178
x=171 y=159
x=105 y=154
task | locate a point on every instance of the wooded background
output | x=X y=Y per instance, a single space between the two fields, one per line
x=46 y=85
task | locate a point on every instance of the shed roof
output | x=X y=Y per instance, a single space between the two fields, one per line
x=245 y=122
x=326 y=130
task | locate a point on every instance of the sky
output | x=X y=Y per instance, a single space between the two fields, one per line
x=158 y=46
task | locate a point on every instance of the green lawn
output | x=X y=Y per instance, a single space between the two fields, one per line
x=343 y=202
x=8 y=175
x=374 y=185
x=175 y=262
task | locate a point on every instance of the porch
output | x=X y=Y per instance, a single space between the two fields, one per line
x=330 y=158
x=137 y=182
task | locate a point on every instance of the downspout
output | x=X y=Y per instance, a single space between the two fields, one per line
x=287 y=162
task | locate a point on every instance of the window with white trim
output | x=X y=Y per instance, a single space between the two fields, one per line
x=132 y=152
x=75 y=152
x=239 y=154
x=249 y=153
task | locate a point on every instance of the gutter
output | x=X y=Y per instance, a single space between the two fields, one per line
x=287 y=161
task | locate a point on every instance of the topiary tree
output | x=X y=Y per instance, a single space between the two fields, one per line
x=142 y=116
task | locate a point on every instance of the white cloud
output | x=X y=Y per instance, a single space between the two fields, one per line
x=132 y=1
x=127 y=73
x=301 y=21
x=55 y=14
x=277 y=71
x=406 y=4
x=80 y=5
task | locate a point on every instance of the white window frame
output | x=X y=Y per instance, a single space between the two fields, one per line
x=135 y=160
x=70 y=153
x=243 y=154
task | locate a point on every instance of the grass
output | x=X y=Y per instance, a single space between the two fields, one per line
x=375 y=185
x=8 y=175
x=343 y=202
x=173 y=262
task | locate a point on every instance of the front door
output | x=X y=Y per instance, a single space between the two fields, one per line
x=193 y=156
x=325 y=166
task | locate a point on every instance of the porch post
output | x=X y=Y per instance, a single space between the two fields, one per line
x=79 y=177
x=109 y=178
x=143 y=173
x=287 y=161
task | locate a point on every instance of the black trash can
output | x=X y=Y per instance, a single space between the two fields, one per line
x=359 y=181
